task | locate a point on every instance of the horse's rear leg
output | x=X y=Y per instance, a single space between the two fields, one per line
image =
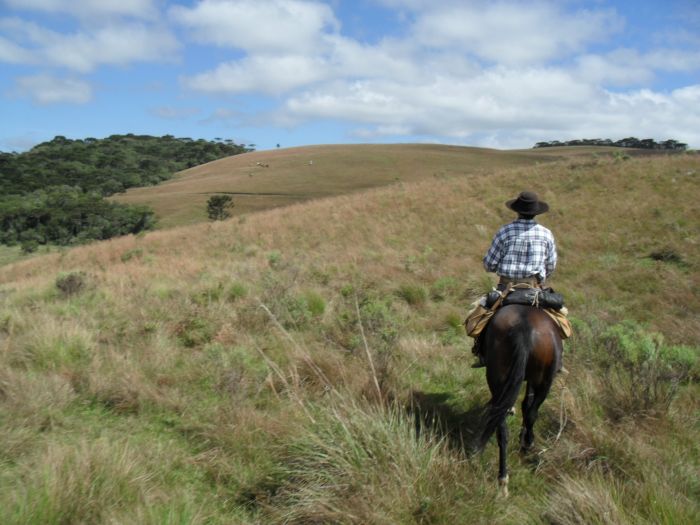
x=527 y=403
x=502 y=437
x=531 y=406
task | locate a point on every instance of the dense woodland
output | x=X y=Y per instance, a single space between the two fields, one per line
x=629 y=142
x=54 y=193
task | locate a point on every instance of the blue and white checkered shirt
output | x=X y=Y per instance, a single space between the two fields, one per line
x=522 y=249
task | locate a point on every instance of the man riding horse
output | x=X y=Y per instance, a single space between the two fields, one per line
x=522 y=252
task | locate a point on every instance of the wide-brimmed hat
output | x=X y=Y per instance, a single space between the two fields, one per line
x=528 y=203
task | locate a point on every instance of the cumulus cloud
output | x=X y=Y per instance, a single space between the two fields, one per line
x=449 y=106
x=512 y=33
x=500 y=73
x=270 y=75
x=275 y=26
x=47 y=89
x=502 y=107
x=83 y=51
x=506 y=71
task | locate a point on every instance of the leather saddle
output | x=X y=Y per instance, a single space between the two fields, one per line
x=541 y=298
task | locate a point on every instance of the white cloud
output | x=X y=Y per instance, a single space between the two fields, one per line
x=510 y=107
x=512 y=33
x=623 y=67
x=274 y=26
x=271 y=75
x=619 y=68
x=12 y=53
x=119 y=45
x=83 y=51
x=46 y=89
x=462 y=72
x=502 y=73
x=88 y=8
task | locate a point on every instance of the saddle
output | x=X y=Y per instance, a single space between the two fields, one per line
x=538 y=297
x=551 y=302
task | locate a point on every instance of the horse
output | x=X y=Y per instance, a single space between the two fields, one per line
x=521 y=343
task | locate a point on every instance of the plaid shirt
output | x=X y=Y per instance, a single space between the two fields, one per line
x=522 y=249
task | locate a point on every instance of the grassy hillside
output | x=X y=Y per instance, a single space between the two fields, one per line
x=307 y=364
x=269 y=179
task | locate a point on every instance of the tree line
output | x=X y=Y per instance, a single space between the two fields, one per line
x=629 y=142
x=55 y=192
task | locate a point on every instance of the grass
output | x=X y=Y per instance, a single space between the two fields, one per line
x=308 y=365
x=269 y=179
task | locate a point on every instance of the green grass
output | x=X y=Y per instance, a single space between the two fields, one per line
x=308 y=364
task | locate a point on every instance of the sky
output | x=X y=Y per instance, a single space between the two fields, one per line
x=502 y=74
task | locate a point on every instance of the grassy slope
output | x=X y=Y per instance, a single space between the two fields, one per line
x=268 y=179
x=218 y=373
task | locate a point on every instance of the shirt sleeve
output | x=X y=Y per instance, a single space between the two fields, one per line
x=551 y=261
x=494 y=254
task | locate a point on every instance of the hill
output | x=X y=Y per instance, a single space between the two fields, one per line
x=108 y=165
x=53 y=194
x=268 y=179
x=307 y=364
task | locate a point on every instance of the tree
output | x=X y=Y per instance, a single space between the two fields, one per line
x=218 y=207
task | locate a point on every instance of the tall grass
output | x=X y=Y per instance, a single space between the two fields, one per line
x=206 y=381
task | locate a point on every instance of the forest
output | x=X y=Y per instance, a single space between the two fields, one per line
x=54 y=193
x=629 y=142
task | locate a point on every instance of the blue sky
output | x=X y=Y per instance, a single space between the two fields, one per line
x=502 y=74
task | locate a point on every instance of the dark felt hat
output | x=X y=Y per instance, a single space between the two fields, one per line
x=528 y=203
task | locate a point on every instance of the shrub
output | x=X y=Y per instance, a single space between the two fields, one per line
x=315 y=304
x=236 y=291
x=71 y=283
x=218 y=207
x=30 y=246
x=274 y=258
x=413 y=294
x=643 y=375
x=195 y=331
x=378 y=319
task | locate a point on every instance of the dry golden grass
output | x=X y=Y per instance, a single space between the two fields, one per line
x=273 y=368
x=269 y=179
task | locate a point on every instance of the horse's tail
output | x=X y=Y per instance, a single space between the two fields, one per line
x=503 y=400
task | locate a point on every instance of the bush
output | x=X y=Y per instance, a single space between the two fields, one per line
x=413 y=294
x=315 y=304
x=29 y=246
x=236 y=291
x=195 y=331
x=643 y=374
x=218 y=207
x=71 y=283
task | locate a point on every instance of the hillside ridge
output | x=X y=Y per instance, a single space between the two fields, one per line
x=273 y=178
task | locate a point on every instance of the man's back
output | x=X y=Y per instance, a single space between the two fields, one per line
x=522 y=249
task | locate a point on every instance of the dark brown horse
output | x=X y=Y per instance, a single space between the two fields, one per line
x=521 y=343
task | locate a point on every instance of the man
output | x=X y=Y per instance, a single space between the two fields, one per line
x=522 y=251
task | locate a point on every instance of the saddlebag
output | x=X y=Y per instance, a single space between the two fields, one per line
x=538 y=297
